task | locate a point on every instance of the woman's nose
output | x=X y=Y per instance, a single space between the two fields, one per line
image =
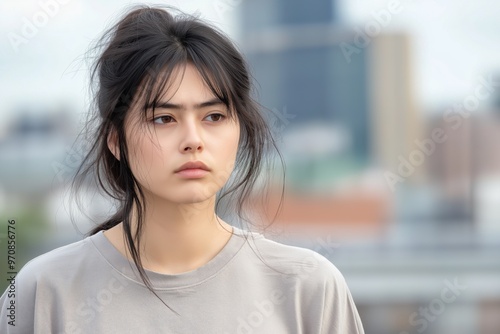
x=192 y=137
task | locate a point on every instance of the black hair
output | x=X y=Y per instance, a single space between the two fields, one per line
x=135 y=58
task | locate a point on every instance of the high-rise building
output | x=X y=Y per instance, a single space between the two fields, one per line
x=311 y=69
x=398 y=129
x=293 y=47
x=467 y=168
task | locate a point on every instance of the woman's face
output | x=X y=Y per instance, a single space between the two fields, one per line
x=192 y=125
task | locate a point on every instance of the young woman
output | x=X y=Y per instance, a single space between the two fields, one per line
x=177 y=132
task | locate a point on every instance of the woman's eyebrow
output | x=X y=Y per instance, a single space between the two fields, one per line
x=168 y=105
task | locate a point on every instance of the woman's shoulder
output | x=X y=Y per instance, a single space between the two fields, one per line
x=44 y=277
x=315 y=283
x=56 y=262
x=296 y=261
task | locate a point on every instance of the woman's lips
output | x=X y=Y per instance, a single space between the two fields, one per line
x=192 y=173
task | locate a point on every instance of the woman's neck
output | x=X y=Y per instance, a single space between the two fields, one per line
x=176 y=240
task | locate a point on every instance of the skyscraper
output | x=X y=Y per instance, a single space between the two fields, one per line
x=293 y=47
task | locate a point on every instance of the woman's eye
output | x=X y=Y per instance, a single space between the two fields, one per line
x=162 y=119
x=218 y=117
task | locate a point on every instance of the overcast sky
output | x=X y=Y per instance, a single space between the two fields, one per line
x=50 y=66
x=455 y=41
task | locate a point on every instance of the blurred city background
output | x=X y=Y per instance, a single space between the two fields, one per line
x=387 y=113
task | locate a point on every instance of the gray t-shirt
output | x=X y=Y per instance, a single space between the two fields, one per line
x=90 y=287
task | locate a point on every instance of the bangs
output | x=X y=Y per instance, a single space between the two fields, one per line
x=159 y=80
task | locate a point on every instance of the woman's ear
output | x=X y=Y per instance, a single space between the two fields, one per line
x=113 y=144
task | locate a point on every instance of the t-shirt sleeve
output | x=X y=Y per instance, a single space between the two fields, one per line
x=17 y=303
x=330 y=307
